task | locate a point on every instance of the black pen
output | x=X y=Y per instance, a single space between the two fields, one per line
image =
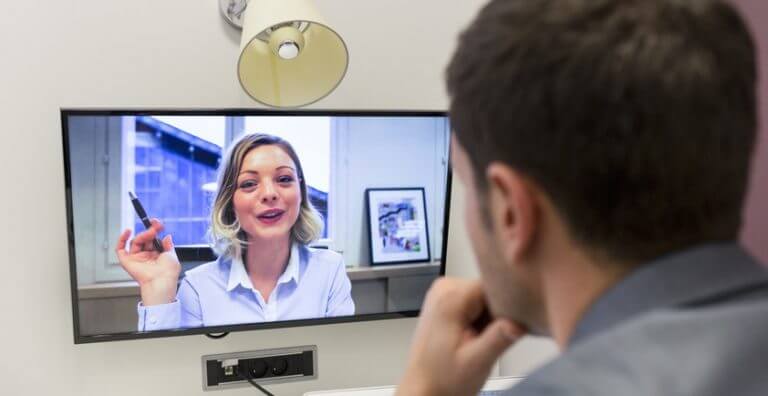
x=144 y=219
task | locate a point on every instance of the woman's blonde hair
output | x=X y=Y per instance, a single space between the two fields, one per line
x=227 y=237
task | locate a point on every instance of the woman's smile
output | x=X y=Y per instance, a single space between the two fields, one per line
x=271 y=216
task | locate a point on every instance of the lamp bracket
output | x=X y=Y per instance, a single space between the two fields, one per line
x=233 y=11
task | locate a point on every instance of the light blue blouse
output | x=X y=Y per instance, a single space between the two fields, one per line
x=314 y=285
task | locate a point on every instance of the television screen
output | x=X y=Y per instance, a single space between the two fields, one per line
x=211 y=221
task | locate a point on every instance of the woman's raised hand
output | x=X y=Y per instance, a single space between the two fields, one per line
x=157 y=273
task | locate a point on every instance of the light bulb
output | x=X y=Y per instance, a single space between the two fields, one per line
x=287 y=42
x=288 y=50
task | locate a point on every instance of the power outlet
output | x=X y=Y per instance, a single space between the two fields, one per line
x=268 y=366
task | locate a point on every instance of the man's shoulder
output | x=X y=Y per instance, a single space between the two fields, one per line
x=712 y=350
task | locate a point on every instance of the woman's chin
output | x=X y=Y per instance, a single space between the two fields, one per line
x=272 y=235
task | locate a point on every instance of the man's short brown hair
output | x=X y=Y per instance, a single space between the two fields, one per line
x=636 y=117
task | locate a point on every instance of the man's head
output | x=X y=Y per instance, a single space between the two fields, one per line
x=629 y=123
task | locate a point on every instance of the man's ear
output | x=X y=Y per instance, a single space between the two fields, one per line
x=513 y=210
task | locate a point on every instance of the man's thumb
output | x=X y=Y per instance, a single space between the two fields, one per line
x=493 y=341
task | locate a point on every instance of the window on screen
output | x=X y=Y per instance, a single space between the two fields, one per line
x=176 y=161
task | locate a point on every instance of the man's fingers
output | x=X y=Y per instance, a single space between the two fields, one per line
x=491 y=343
x=473 y=302
x=456 y=300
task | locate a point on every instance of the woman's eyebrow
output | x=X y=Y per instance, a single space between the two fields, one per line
x=279 y=167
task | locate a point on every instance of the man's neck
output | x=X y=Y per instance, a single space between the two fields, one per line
x=577 y=282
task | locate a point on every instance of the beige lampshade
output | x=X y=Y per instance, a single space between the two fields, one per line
x=289 y=57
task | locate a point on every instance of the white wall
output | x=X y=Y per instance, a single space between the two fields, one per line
x=389 y=153
x=180 y=54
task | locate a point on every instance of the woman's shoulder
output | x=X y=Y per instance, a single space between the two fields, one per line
x=211 y=269
x=326 y=256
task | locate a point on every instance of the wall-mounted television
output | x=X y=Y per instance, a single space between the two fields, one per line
x=255 y=219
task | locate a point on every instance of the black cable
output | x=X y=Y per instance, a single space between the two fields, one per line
x=216 y=336
x=247 y=377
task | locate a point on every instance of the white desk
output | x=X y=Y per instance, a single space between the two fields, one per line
x=493 y=384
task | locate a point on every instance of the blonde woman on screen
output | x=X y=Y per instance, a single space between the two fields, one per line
x=261 y=225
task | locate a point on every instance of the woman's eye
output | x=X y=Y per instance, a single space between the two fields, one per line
x=248 y=184
x=285 y=179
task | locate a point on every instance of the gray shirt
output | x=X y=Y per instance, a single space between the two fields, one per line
x=691 y=323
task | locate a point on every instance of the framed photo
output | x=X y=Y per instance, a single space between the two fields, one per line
x=397 y=219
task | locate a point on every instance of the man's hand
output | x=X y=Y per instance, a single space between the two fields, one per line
x=449 y=356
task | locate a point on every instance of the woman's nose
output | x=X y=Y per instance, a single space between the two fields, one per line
x=269 y=195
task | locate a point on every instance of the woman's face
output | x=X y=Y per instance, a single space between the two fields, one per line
x=268 y=194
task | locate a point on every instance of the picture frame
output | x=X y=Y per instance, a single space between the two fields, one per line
x=398 y=228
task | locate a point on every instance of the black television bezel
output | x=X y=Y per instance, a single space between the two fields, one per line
x=206 y=254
